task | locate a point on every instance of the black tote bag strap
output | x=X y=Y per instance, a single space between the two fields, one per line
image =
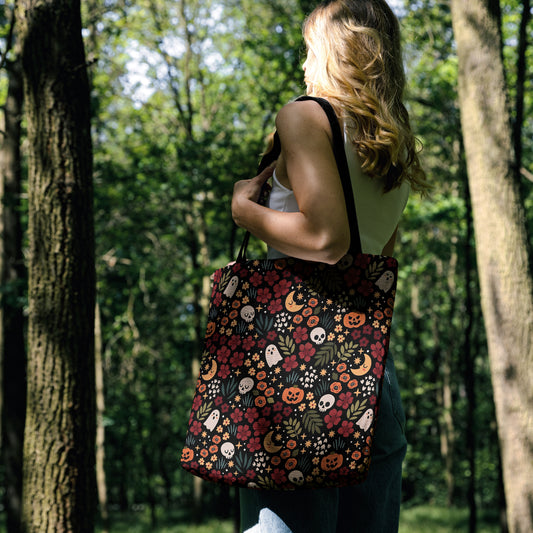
x=342 y=166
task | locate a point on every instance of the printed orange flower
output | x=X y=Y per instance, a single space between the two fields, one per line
x=312 y=321
x=290 y=464
x=313 y=302
x=285 y=454
x=298 y=319
x=261 y=375
x=345 y=378
x=335 y=387
x=260 y=401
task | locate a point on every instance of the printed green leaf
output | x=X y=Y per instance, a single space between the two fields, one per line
x=293 y=427
x=325 y=354
x=287 y=345
x=204 y=410
x=312 y=421
x=355 y=410
x=375 y=270
x=347 y=350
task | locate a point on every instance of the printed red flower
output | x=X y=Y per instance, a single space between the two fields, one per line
x=237 y=415
x=271 y=277
x=271 y=335
x=306 y=351
x=234 y=342
x=229 y=478
x=287 y=411
x=366 y=287
x=278 y=406
x=256 y=279
x=275 y=306
x=237 y=359
x=261 y=426
x=196 y=427
x=254 y=444
x=377 y=351
x=243 y=432
x=262 y=343
x=378 y=370
x=224 y=407
x=289 y=363
x=248 y=343
x=279 y=476
x=217 y=300
x=251 y=414
x=378 y=335
x=356 y=334
x=345 y=399
x=277 y=418
x=332 y=418
x=250 y=474
x=300 y=334
x=346 y=428
x=263 y=295
x=196 y=403
x=367 y=329
x=363 y=342
x=362 y=260
x=223 y=371
x=223 y=354
x=282 y=288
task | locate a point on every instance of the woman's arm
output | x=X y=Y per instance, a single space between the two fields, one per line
x=319 y=230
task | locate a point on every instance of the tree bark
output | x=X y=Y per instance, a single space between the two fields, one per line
x=59 y=460
x=13 y=279
x=500 y=229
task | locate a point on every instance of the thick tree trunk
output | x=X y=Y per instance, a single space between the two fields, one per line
x=499 y=223
x=13 y=276
x=59 y=460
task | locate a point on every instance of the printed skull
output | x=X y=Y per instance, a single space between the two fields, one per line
x=246 y=385
x=326 y=402
x=296 y=477
x=247 y=313
x=227 y=449
x=318 y=335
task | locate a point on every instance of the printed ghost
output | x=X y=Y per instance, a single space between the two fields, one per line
x=246 y=385
x=229 y=291
x=272 y=355
x=326 y=402
x=296 y=477
x=318 y=335
x=212 y=420
x=247 y=313
x=366 y=420
x=227 y=449
x=385 y=281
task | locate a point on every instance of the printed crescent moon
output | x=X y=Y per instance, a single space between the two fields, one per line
x=291 y=305
x=364 y=368
x=270 y=447
x=210 y=374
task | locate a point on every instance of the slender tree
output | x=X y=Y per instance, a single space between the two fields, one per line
x=58 y=482
x=500 y=230
x=13 y=279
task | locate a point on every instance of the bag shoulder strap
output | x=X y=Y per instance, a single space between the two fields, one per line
x=342 y=166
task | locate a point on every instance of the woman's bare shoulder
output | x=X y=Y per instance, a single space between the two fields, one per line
x=301 y=117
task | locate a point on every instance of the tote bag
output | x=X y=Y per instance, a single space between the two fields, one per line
x=291 y=372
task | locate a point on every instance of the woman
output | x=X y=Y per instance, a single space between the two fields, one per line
x=354 y=61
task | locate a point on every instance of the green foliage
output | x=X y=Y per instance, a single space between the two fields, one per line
x=184 y=94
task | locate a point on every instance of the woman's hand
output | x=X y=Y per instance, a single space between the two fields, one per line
x=246 y=191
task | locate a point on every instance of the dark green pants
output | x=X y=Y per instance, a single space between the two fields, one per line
x=371 y=507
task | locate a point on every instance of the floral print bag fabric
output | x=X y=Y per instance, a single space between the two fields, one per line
x=290 y=380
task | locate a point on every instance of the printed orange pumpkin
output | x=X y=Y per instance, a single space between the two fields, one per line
x=293 y=395
x=210 y=329
x=354 y=319
x=187 y=454
x=331 y=462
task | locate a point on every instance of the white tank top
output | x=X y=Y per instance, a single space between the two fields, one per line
x=378 y=212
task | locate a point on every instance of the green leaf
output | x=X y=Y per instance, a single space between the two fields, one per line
x=312 y=421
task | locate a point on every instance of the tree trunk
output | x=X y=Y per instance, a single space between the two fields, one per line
x=13 y=275
x=100 y=428
x=499 y=224
x=59 y=460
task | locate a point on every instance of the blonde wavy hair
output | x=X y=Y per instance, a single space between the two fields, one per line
x=359 y=69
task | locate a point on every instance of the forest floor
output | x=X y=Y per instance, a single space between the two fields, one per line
x=420 y=519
